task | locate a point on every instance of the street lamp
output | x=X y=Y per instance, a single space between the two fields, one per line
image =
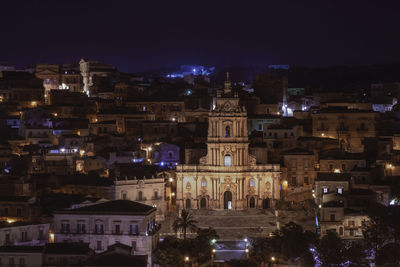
x=171 y=179
x=186 y=258
x=273 y=259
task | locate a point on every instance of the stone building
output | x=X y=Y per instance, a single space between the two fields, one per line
x=107 y=223
x=349 y=126
x=228 y=176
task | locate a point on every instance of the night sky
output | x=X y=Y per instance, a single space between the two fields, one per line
x=136 y=36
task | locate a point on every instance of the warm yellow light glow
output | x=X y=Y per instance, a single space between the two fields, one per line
x=213 y=250
x=1 y=98
x=150 y=148
x=313 y=195
x=285 y=183
x=389 y=166
x=247 y=250
x=55 y=114
x=10 y=220
x=319 y=206
x=273 y=258
x=322 y=134
x=33 y=103
x=171 y=179
x=51 y=237
x=173 y=194
x=81 y=152
x=337 y=171
x=186 y=258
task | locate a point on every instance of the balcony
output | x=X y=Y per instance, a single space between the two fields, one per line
x=117 y=233
x=98 y=232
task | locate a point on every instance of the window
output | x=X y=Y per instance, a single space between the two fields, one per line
x=306 y=180
x=11 y=262
x=81 y=228
x=170 y=154
x=330 y=166
x=144 y=108
x=19 y=212
x=24 y=236
x=99 y=228
x=341 y=231
x=294 y=180
x=41 y=235
x=260 y=127
x=6 y=211
x=7 y=238
x=140 y=195
x=343 y=167
x=203 y=183
x=251 y=183
x=22 y=262
x=133 y=229
x=227 y=161
x=47 y=81
x=332 y=217
x=64 y=227
x=286 y=135
x=133 y=245
x=99 y=247
x=340 y=190
x=117 y=229
x=227 y=131
x=124 y=195
x=324 y=190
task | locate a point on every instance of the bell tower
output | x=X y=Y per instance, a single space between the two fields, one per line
x=227 y=142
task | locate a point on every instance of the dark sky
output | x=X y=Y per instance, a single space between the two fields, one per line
x=138 y=35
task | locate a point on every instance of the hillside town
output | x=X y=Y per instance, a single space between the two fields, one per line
x=195 y=167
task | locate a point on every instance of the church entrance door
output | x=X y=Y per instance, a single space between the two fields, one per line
x=228 y=200
x=188 y=206
x=203 y=203
x=252 y=203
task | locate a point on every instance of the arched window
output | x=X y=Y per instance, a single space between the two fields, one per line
x=124 y=195
x=140 y=195
x=228 y=161
x=251 y=183
x=203 y=183
x=227 y=131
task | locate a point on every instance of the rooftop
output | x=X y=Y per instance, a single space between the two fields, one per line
x=113 y=207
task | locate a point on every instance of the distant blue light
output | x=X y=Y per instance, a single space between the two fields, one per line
x=7 y=170
x=194 y=70
x=137 y=160
x=188 y=92
x=162 y=163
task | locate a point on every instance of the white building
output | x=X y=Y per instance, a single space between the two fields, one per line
x=24 y=233
x=147 y=191
x=101 y=225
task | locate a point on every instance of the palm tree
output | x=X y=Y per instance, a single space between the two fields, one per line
x=184 y=223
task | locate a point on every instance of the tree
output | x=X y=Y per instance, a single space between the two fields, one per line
x=291 y=243
x=331 y=250
x=185 y=223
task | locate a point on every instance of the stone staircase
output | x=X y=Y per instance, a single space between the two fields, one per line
x=237 y=224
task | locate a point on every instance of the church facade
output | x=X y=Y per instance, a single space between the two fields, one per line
x=228 y=177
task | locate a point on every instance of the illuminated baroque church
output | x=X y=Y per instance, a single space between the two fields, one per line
x=228 y=176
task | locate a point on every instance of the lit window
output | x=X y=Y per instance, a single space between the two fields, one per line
x=203 y=183
x=228 y=131
x=251 y=183
x=325 y=190
x=340 y=190
x=228 y=161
